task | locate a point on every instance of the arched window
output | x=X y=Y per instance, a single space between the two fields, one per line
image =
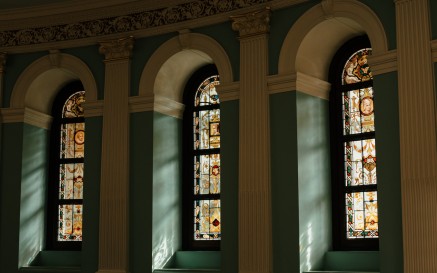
x=354 y=168
x=67 y=152
x=202 y=226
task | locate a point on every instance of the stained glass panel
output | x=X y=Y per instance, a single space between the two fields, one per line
x=72 y=140
x=207 y=221
x=70 y=222
x=207 y=174
x=71 y=181
x=360 y=162
x=206 y=93
x=73 y=106
x=356 y=68
x=362 y=215
x=358 y=114
x=206 y=129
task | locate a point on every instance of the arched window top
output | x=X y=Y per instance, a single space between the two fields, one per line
x=356 y=68
x=206 y=94
x=73 y=105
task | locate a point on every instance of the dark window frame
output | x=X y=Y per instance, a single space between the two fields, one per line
x=340 y=242
x=188 y=242
x=54 y=145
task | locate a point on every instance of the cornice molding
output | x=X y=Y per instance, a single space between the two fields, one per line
x=26 y=115
x=383 y=63
x=228 y=91
x=133 y=23
x=92 y=108
x=298 y=82
x=168 y=107
x=141 y=104
x=252 y=23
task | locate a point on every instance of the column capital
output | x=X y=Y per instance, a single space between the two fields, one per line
x=3 y=57
x=253 y=23
x=117 y=49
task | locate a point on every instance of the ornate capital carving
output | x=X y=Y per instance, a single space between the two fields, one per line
x=117 y=49
x=3 y=56
x=253 y=23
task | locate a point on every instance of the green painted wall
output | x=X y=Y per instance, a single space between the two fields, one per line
x=228 y=39
x=142 y=51
x=12 y=151
x=15 y=65
x=33 y=193
x=433 y=16
x=386 y=12
x=314 y=180
x=284 y=175
x=281 y=22
x=91 y=194
x=167 y=202
x=389 y=185
x=229 y=175
x=94 y=60
x=141 y=189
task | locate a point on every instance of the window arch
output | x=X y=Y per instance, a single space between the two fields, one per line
x=202 y=224
x=67 y=152
x=353 y=148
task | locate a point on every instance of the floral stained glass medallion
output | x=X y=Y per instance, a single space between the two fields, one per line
x=356 y=68
x=360 y=162
x=206 y=147
x=358 y=116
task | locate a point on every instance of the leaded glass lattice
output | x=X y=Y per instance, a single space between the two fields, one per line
x=358 y=116
x=356 y=68
x=70 y=222
x=206 y=147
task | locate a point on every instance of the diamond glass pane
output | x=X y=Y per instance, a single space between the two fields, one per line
x=207 y=221
x=358 y=116
x=207 y=174
x=356 y=68
x=73 y=105
x=362 y=215
x=70 y=222
x=360 y=162
x=71 y=181
x=72 y=140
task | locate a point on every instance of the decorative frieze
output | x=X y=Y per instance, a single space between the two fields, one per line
x=252 y=23
x=121 y=24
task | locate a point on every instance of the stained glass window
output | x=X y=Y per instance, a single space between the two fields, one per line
x=354 y=163
x=206 y=151
x=71 y=175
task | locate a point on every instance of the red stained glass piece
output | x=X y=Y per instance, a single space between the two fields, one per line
x=215 y=222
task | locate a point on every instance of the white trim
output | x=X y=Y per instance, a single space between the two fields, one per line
x=26 y=115
x=93 y=108
x=299 y=82
x=228 y=91
x=168 y=107
x=140 y=104
x=281 y=83
x=383 y=63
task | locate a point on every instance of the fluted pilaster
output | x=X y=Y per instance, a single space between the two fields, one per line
x=417 y=136
x=114 y=185
x=255 y=239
